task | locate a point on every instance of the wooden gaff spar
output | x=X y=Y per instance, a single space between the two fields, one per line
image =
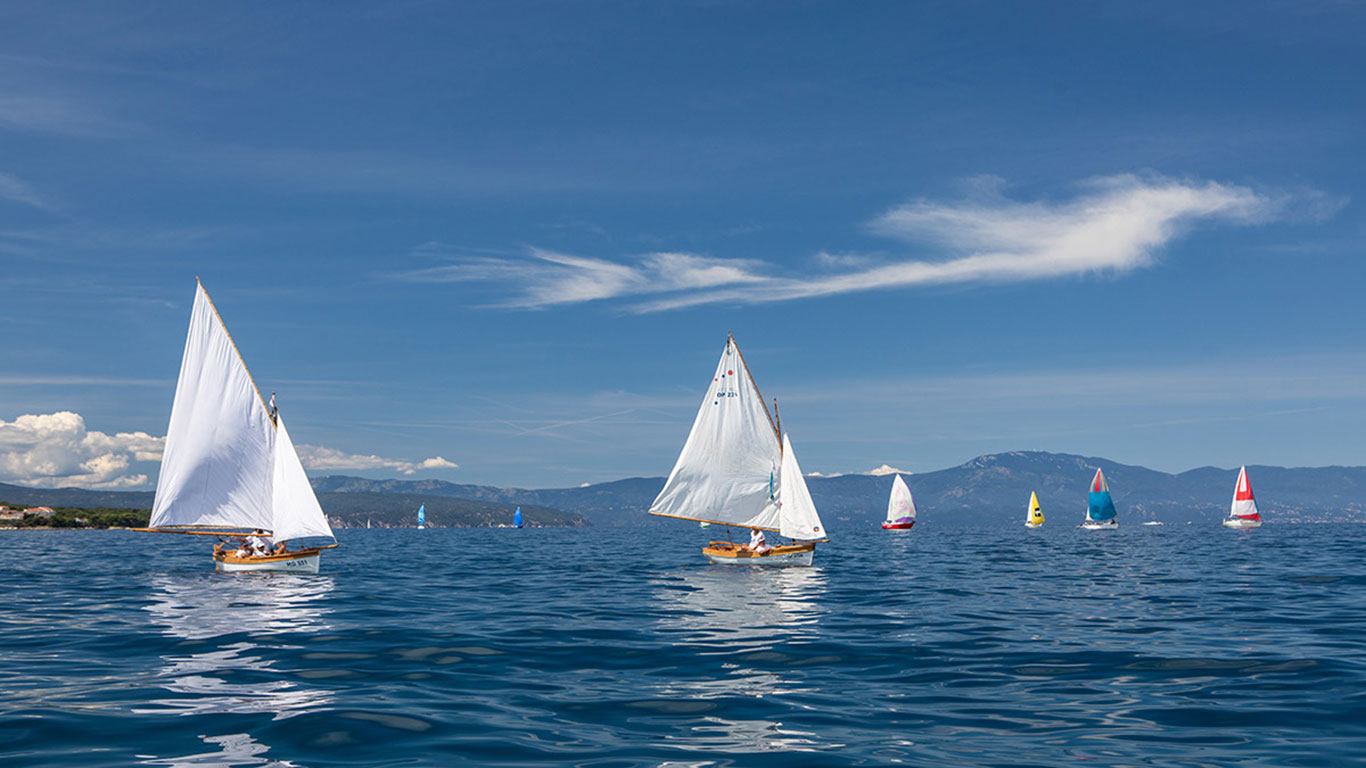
x=737 y=468
x=229 y=468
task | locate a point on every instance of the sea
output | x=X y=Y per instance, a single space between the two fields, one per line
x=1176 y=645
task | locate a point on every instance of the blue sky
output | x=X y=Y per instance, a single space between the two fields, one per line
x=514 y=235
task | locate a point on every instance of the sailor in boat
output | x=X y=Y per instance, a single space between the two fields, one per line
x=274 y=409
x=757 y=543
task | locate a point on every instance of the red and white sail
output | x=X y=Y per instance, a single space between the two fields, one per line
x=1244 y=503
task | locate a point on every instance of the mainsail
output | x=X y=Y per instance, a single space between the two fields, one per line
x=227 y=464
x=727 y=472
x=900 y=505
x=1099 y=506
x=1035 y=514
x=1244 y=503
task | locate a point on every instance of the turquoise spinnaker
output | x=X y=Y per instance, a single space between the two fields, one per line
x=1099 y=506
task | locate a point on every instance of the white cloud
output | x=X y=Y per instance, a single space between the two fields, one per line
x=825 y=474
x=320 y=458
x=1112 y=224
x=547 y=278
x=57 y=449
x=16 y=190
x=886 y=469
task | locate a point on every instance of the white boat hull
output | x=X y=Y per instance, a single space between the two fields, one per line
x=1234 y=522
x=304 y=563
x=1033 y=525
x=1092 y=525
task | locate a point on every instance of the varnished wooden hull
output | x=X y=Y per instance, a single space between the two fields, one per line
x=728 y=553
x=302 y=561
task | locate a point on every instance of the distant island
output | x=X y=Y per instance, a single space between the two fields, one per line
x=989 y=488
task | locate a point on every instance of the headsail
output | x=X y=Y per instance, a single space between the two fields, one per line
x=1244 y=503
x=797 y=512
x=1099 y=506
x=900 y=505
x=217 y=466
x=296 y=511
x=517 y=518
x=725 y=473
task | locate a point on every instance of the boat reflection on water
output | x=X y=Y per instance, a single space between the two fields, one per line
x=740 y=610
x=237 y=675
x=232 y=749
x=744 y=620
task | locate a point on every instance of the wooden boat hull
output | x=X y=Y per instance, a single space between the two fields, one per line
x=1237 y=522
x=1091 y=525
x=886 y=526
x=729 y=553
x=302 y=561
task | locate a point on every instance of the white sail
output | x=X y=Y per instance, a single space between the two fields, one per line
x=900 y=504
x=217 y=464
x=797 y=513
x=727 y=471
x=297 y=514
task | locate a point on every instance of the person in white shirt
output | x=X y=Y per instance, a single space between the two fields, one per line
x=757 y=544
x=258 y=544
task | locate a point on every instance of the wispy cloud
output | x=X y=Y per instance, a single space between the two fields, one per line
x=1113 y=224
x=16 y=190
x=547 y=278
x=52 y=115
x=317 y=457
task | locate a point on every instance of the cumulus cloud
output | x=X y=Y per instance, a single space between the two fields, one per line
x=57 y=449
x=887 y=469
x=317 y=457
x=1113 y=224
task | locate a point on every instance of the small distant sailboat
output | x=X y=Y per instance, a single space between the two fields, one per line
x=1100 y=508
x=421 y=516
x=900 y=508
x=517 y=518
x=1034 y=517
x=367 y=522
x=1243 y=513
x=228 y=468
x=737 y=468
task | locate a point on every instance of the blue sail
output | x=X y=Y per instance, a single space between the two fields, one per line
x=1099 y=506
x=517 y=518
x=422 y=514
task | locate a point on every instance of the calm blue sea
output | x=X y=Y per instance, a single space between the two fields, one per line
x=1175 y=645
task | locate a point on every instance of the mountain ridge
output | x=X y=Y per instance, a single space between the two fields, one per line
x=987 y=488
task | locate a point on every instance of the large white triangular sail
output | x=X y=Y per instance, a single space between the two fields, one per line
x=226 y=464
x=797 y=512
x=217 y=463
x=297 y=513
x=727 y=472
x=900 y=505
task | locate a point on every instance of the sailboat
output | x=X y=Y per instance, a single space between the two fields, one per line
x=737 y=468
x=1243 y=513
x=421 y=516
x=517 y=518
x=1034 y=517
x=900 y=508
x=229 y=468
x=1100 y=508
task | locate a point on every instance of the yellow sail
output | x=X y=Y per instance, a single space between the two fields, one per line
x=1035 y=518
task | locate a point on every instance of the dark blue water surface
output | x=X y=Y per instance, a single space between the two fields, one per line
x=1175 y=645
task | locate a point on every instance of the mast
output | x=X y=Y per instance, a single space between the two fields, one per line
x=730 y=339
